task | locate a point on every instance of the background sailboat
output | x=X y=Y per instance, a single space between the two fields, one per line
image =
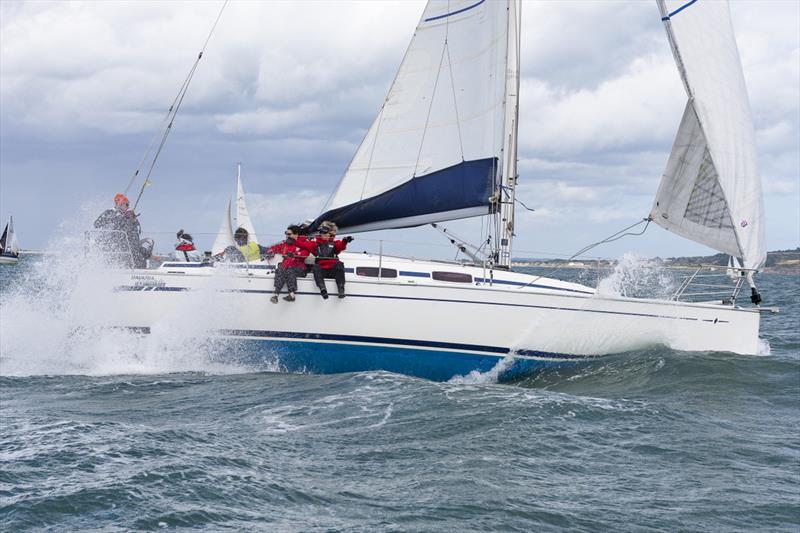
x=9 y=248
x=224 y=236
x=242 y=214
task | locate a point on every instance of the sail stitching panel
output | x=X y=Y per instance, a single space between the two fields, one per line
x=707 y=205
x=430 y=106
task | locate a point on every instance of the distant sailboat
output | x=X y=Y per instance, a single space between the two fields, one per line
x=225 y=233
x=9 y=249
x=242 y=214
x=224 y=236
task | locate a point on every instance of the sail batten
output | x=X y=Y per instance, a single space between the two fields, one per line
x=443 y=113
x=711 y=190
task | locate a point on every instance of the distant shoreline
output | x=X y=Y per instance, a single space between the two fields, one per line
x=783 y=261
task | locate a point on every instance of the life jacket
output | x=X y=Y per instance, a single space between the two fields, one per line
x=326 y=250
x=251 y=251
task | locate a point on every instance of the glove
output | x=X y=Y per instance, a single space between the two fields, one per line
x=289 y=254
x=347 y=239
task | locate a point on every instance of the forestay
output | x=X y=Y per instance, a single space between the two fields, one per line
x=434 y=151
x=242 y=214
x=711 y=189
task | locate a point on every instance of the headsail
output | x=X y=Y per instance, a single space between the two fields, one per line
x=242 y=214
x=224 y=234
x=711 y=189
x=434 y=151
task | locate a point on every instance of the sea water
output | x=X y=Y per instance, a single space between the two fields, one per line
x=103 y=431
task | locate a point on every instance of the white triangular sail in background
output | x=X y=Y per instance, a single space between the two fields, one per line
x=224 y=234
x=242 y=214
x=711 y=190
x=434 y=152
x=8 y=241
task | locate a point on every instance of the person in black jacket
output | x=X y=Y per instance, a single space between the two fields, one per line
x=122 y=238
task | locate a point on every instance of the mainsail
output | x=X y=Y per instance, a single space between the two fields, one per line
x=711 y=189
x=224 y=234
x=242 y=214
x=435 y=150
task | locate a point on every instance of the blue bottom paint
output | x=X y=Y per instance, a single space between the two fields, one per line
x=327 y=358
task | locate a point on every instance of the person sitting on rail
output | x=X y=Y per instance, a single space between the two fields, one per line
x=184 y=248
x=252 y=251
x=292 y=266
x=327 y=265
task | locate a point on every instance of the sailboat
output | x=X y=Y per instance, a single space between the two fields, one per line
x=224 y=236
x=444 y=146
x=242 y=214
x=9 y=249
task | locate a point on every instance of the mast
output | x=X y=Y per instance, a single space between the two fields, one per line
x=506 y=193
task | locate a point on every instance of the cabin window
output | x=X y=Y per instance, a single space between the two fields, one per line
x=453 y=277
x=372 y=272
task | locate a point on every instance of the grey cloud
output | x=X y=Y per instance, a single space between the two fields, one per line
x=290 y=92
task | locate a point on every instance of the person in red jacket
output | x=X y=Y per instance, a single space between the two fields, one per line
x=292 y=266
x=327 y=265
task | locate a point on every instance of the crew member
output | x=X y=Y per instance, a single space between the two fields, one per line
x=292 y=266
x=185 y=247
x=251 y=251
x=123 y=236
x=327 y=265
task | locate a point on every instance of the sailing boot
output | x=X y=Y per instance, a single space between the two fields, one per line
x=274 y=298
x=324 y=294
x=289 y=297
x=341 y=292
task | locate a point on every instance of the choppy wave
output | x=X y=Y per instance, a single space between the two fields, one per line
x=104 y=430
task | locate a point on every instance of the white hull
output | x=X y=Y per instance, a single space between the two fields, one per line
x=8 y=260
x=550 y=321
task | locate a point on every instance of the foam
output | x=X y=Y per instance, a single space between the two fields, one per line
x=41 y=317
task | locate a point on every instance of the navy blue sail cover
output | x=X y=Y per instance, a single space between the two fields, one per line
x=468 y=184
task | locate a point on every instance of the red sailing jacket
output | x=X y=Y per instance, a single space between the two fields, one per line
x=312 y=246
x=294 y=254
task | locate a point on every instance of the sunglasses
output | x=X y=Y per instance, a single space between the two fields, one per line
x=288 y=233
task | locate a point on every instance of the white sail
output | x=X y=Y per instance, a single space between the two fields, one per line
x=434 y=151
x=242 y=214
x=711 y=189
x=224 y=234
x=8 y=241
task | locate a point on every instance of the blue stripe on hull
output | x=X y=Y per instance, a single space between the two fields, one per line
x=330 y=358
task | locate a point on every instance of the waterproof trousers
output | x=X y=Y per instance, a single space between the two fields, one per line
x=336 y=272
x=288 y=277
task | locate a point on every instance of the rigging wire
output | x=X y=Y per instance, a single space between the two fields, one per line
x=611 y=238
x=171 y=114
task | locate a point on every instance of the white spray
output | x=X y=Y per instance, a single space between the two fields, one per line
x=41 y=313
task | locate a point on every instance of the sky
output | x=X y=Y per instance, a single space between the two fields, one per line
x=289 y=88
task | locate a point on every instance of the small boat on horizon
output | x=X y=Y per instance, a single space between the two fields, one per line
x=9 y=248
